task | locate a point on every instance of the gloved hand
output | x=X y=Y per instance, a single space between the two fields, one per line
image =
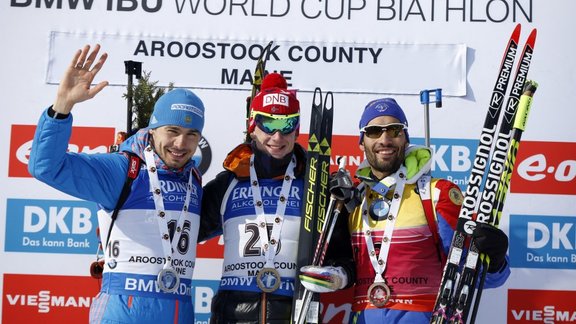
x=341 y=184
x=342 y=188
x=323 y=279
x=493 y=242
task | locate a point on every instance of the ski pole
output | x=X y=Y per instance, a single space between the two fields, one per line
x=332 y=213
x=425 y=100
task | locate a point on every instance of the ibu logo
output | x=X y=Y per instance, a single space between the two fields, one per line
x=543 y=242
x=51 y=226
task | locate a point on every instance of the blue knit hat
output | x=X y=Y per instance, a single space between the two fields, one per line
x=179 y=107
x=383 y=107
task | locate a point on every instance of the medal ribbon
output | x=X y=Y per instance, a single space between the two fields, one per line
x=160 y=212
x=270 y=244
x=379 y=261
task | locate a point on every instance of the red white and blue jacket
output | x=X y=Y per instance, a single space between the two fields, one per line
x=414 y=266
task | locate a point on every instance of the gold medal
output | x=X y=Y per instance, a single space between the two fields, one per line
x=168 y=280
x=378 y=294
x=268 y=280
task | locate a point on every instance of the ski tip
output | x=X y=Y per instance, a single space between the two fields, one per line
x=329 y=100
x=317 y=99
x=532 y=38
x=516 y=33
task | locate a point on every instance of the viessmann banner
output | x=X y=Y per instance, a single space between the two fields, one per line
x=360 y=50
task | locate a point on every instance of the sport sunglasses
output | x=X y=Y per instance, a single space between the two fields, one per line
x=270 y=123
x=375 y=131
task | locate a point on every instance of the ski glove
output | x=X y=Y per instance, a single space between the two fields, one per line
x=323 y=279
x=342 y=188
x=492 y=241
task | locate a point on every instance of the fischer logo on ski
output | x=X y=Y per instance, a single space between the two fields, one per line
x=305 y=307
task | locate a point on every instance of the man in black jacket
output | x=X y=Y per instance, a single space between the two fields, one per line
x=256 y=204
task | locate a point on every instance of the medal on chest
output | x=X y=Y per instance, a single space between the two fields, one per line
x=381 y=209
x=268 y=278
x=168 y=280
x=379 y=294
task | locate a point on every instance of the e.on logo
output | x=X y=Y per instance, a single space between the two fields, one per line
x=47 y=299
x=82 y=140
x=541 y=306
x=545 y=168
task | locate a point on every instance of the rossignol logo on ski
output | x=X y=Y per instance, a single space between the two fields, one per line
x=493 y=166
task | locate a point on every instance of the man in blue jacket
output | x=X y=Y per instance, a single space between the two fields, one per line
x=150 y=241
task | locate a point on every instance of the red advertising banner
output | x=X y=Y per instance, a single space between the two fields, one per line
x=541 y=306
x=47 y=299
x=83 y=139
x=342 y=146
x=545 y=168
x=337 y=306
x=211 y=249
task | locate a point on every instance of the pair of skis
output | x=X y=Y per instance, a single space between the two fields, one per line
x=317 y=218
x=257 y=78
x=318 y=203
x=486 y=190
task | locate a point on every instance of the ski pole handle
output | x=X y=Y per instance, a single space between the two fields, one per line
x=524 y=105
x=332 y=213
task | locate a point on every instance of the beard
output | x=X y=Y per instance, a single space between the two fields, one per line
x=387 y=167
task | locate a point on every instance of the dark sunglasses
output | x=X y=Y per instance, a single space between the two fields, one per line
x=270 y=124
x=375 y=131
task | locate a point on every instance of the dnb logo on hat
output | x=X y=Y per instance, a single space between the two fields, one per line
x=275 y=99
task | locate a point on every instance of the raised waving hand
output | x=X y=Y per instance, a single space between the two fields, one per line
x=75 y=85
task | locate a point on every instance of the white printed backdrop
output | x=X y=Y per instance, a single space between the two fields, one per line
x=360 y=50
